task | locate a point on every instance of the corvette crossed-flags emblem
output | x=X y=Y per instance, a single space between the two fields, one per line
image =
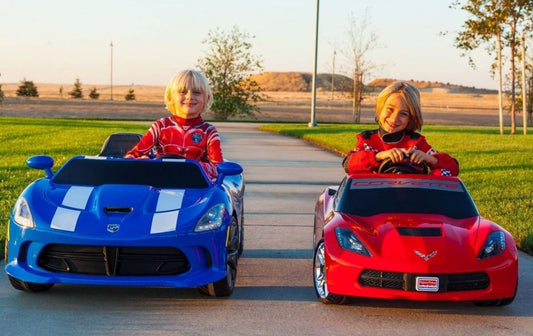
x=424 y=256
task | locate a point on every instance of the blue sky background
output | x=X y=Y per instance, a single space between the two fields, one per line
x=57 y=41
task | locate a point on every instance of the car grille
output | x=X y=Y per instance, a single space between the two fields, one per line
x=407 y=281
x=113 y=260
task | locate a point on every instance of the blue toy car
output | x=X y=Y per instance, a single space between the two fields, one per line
x=106 y=220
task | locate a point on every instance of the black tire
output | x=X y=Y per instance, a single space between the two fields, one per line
x=494 y=303
x=28 y=286
x=225 y=286
x=320 y=281
x=241 y=234
x=497 y=302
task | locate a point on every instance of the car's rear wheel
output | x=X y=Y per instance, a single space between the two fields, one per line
x=225 y=286
x=320 y=280
x=241 y=234
x=28 y=286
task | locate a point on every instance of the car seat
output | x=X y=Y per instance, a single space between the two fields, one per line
x=118 y=144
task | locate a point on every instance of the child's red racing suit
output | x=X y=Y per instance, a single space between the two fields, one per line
x=363 y=157
x=191 y=138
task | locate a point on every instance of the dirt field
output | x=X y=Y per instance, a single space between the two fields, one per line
x=438 y=107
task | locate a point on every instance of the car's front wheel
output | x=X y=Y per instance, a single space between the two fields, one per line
x=28 y=286
x=497 y=302
x=225 y=286
x=320 y=280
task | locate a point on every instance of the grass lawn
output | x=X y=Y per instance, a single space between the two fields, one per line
x=497 y=169
x=59 y=138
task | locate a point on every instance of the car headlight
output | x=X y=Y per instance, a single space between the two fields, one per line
x=494 y=245
x=212 y=219
x=349 y=241
x=22 y=214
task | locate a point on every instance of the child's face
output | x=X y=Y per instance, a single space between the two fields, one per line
x=188 y=103
x=394 y=117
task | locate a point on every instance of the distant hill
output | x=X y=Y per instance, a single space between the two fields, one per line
x=302 y=82
x=426 y=86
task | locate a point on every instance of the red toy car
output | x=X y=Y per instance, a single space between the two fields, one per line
x=411 y=237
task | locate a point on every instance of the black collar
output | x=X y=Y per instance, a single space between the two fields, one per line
x=391 y=137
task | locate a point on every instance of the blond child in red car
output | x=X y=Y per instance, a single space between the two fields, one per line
x=399 y=117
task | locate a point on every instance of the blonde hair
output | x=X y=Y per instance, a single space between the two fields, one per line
x=188 y=80
x=411 y=97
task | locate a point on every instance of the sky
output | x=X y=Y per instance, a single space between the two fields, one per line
x=58 y=41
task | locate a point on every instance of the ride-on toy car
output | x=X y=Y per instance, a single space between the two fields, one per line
x=107 y=220
x=409 y=236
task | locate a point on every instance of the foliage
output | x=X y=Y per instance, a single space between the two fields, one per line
x=130 y=95
x=1 y=94
x=94 y=94
x=76 y=92
x=27 y=89
x=496 y=20
x=228 y=66
x=498 y=173
x=360 y=43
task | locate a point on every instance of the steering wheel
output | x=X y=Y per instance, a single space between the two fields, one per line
x=170 y=156
x=405 y=166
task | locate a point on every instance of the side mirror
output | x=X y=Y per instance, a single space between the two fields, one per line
x=43 y=162
x=228 y=168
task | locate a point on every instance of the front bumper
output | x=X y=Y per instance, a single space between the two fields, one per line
x=161 y=260
x=354 y=275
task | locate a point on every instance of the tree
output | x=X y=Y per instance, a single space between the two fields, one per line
x=94 y=94
x=77 y=92
x=1 y=94
x=27 y=89
x=130 y=95
x=228 y=66
x=502 y=21
x=360 y=42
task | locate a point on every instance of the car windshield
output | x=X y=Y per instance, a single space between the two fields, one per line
x=368 y=197
x=171 y=174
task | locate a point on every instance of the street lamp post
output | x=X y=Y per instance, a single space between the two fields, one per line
x=312 y=123
x=111 y=45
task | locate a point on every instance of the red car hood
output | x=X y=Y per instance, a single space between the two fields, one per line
x=417 y=239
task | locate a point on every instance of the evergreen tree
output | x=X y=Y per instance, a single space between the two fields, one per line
x=1 y=94
x=77 y=92
x=27 y=89
x=130 y=95
x=93 y=94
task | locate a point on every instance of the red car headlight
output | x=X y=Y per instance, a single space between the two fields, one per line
x=494 y=245
x=349 y=241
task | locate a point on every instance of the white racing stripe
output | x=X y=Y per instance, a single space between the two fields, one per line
x=66 y=219
x=167 y=210
x=77 y=197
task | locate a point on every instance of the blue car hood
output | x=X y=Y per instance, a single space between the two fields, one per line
x=133 y=209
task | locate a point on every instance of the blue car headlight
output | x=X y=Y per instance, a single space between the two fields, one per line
x=22 y=214
x=349 y=241
x=494 y=245
x=212 y=219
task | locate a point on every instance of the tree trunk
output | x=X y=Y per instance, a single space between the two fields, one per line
x=500 y=91
x=513 y=91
